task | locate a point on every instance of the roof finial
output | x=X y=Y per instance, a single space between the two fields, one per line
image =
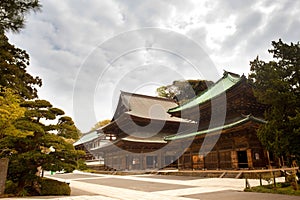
x=225 y=73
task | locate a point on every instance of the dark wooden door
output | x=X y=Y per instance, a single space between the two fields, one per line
x=242 y=159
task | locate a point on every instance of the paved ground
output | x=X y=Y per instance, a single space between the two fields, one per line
x=238 y=195
x=112 y=187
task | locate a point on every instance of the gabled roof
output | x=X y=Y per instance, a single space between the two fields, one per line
x=245 y=119
x=225 y=83
x=147 y=107
x=87 y=137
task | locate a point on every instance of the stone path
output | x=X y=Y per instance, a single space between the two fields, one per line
x=136 y=187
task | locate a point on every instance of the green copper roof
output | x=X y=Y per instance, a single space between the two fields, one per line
x=86 y=138
x=225 y=83
x=227 y=126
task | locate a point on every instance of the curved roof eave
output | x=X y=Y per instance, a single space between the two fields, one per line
x=220 y=128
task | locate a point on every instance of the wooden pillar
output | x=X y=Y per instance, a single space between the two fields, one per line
x=130 y=162
x=180 y=162
x=142 y=161
x=250 y=158
x=218 y=157
x=141 y=157
x=159 y=159
x=106 y=160
x=191 y=159
x=201 y=160
x=123 y=162
x=126 y=162
x=234 y=160
x=112 y=161
x=120 y=161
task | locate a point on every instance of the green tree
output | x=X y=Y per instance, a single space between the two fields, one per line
x=12 y=13
x=14 y=61
x=10 y=111
x=183 y=90
x=43 y=148
x=26 y=137
x=13 y=64
x=67 y=129
x=277 y=83
x=100 y=124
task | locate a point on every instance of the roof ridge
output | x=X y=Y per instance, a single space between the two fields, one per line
x=231 y=73
x=147 y=96
x=89 y=132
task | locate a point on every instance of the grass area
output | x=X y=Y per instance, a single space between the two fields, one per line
x=90 y=170
x=281 y=188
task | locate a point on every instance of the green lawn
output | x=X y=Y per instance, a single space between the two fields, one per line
x=281 y=188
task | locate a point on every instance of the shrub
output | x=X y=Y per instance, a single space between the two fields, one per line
x=10 y=187
x=54 y=187
x=81 y=164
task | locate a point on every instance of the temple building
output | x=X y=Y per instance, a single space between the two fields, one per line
x=137 y=131
x=214 y=130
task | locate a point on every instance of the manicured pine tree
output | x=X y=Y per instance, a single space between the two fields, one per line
x=44 y=147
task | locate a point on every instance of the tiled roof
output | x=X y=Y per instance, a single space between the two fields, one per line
x=86 y=138
x=225 y=83
x=148 y=107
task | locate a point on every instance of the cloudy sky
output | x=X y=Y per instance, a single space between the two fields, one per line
x=86 y=51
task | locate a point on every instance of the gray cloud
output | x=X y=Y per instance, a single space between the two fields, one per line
x=68 y=42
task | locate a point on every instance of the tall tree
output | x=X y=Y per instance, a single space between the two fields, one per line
x=183 y=90
x=14 y=61
x=26 y=137
x=12 y=13
x=44 y=147
x=13 y=64
x=277 y=83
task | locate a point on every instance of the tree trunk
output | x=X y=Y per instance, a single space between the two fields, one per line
x=3 y=174
x=21 y=185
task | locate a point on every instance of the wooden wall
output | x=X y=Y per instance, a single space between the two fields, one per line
x=233 y=150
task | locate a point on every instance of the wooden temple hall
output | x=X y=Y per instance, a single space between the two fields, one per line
x=148 y=133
